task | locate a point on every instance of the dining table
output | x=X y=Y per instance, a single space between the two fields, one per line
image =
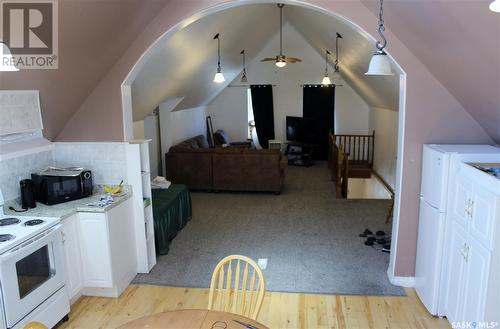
x=193 y=319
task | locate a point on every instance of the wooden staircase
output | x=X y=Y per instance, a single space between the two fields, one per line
x=350 y=156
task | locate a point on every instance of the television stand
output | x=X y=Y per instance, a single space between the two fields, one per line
x=300 y=154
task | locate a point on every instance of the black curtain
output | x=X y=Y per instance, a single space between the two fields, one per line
x=263 y=113
x=318 y=112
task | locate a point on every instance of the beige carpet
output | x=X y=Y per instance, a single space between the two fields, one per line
x=309 y=237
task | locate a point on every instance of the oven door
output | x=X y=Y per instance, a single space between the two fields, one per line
x=31 y=273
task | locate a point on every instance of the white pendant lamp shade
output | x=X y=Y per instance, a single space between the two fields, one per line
x=219 y=77
x=326 y=81
x=337 y=78
x=495 y=6
x=379 y=64
x=6 y=63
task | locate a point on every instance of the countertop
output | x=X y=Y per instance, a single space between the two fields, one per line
x=67 y=209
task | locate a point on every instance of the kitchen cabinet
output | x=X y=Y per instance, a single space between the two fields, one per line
x=98 y=248
x=95 y=250
x=107 y=243
x=471 y=271
x=72 y=258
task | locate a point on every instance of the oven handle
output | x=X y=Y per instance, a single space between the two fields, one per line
x=22 y=246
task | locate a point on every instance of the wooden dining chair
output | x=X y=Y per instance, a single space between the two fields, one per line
x=34 y=325
x=240 y=293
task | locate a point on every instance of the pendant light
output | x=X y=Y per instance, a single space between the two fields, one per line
x=326 y=79
x=244 y=76
x=495 y=6
x=6 y=57
x=380 y=64
x=337 y=78
x=219 y=77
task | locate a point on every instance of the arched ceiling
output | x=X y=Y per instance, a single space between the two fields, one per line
x=459 y=42
x=184 y=64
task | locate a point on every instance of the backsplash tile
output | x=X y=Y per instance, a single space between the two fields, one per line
x=13 y=170
x=107 y=161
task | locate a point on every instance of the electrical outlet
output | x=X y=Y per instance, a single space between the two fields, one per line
x=262 y=262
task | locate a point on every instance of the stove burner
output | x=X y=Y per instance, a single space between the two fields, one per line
x=6 y=237
x=33 y=222
x=9 y=221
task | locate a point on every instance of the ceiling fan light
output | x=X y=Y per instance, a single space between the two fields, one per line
x=495 y=6
x=219 y=77
x=6 y=61
x=244 y=78
x=280 y=63
x=379 y=64
x=326 y=81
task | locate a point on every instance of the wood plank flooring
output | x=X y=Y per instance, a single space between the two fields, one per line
x=279 y=311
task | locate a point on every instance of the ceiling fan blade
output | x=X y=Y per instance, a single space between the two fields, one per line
x=268 y=59
x=293 y=60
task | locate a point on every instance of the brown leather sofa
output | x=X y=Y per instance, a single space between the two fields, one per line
x=190 y=163
x=225 y=169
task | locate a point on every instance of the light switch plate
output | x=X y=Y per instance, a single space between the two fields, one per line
x=262 y=262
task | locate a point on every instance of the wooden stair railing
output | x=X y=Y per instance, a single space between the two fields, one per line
x=338 y=163
x=361 y=150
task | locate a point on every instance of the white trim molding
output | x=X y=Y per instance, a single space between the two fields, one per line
x=402 y=281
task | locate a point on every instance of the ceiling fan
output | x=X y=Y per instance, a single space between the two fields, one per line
x=281 y=60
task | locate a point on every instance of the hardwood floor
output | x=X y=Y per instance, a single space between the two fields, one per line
x=279 y=310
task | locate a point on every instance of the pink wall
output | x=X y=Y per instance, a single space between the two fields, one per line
x=432 y=113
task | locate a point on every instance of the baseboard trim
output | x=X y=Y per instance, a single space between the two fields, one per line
x=402 y=281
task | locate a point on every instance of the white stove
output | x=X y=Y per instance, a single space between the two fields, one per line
x=14 y=230
x=32 y=273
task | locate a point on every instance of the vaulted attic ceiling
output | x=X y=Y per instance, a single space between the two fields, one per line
x=93 y=34
x=459 y=42
x=184 y=65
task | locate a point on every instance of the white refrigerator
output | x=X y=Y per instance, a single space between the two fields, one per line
x=438 y=164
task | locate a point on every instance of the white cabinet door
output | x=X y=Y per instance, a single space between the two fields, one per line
x=476 y=280
x=482 y=216
x=96 y=258
x=453 y=303
x=462 y=192
x=73 y=262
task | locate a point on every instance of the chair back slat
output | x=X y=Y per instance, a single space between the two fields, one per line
x=230 y=290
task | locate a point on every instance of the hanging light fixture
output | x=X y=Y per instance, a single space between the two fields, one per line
x=495 y=6
x=337 y=78
x=280 y=60
x=326 y=79
x=6 y=63
x=380 y=64
x=244 y=76
x=219 y=77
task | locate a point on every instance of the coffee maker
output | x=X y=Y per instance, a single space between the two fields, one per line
x=27 y=194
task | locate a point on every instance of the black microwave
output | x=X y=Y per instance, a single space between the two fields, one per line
x=57 y=185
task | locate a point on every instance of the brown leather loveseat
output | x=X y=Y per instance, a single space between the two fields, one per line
x=193 y=163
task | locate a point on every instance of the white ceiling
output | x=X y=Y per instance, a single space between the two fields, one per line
x=184 y=65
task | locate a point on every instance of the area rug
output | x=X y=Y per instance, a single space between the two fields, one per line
x=310 y=238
